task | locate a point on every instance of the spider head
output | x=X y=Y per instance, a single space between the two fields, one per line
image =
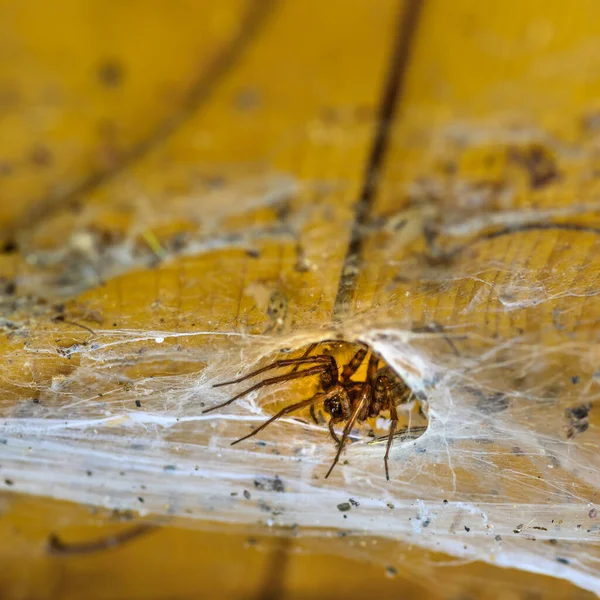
x=333 y=407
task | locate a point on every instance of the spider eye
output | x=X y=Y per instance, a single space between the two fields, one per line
x=333 y=407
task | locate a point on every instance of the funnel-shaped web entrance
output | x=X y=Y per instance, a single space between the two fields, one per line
x=348 y=400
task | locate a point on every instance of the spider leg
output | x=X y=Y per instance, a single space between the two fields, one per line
x=312 y=346
x=289 y=409
x=306 y=373
x=354 y=363
x=313 y=414
x=348 y=428
x=332 y=423
x=393 y=425
x=372 y=368
x=388 y=447
x=385 y=387
x=323 y=358
x=306 y=353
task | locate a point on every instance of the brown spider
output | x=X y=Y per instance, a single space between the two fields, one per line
x=343 y=399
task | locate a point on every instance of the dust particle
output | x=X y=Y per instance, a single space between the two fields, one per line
x=391 y=572
x=111 y=73
x=40 y=156
x=270 y=485
x=492 y=404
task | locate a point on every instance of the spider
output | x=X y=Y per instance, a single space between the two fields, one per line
x=343 y=399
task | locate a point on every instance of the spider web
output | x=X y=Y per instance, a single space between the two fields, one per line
x=103 y=401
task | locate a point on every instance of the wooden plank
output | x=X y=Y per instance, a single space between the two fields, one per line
x=155 y=139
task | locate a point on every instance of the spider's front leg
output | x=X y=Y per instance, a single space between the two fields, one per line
x=313 y=415
x=339 y=408
x=332 y=423
x=359 y=406
x=289 y=409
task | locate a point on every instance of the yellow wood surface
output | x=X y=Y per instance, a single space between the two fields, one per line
x=153 y=120
x=181 y=562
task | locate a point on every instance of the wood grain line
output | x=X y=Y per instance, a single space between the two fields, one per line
x=391 y=94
